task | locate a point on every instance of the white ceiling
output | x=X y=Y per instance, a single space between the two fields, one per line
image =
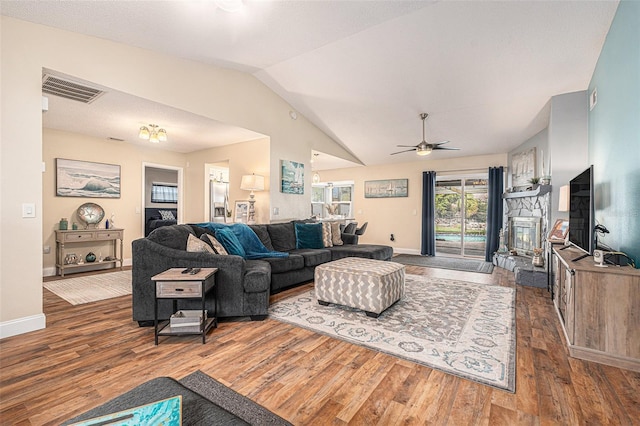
x=363 y=71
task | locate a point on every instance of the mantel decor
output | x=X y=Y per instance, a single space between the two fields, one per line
x=388 y=188
x=76 y=178
x=523 y=167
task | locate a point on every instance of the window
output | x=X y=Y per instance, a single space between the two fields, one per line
x=332 y=199
x=164 y=193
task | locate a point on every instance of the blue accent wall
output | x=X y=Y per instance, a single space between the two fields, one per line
x=614 y=132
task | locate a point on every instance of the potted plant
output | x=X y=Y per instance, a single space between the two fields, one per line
x=535 y=182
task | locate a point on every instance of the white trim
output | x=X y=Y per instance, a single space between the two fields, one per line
x=22 y=325
x=405 y=251
x=49 y=272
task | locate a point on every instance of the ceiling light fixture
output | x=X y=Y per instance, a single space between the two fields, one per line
x=155 y=135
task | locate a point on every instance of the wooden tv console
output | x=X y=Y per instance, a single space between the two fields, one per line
x=598 y=308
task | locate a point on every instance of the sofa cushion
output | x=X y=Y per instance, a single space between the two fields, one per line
x=196 y=245
x=283 y=236
x=174 y=236
x=285 y=264
x=230 y=242
x=368 y=251
x=262 y=233
x=336 y=234
x=313 y=257
x=308 y=235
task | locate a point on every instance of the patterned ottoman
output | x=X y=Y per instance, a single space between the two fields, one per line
x=367 y=284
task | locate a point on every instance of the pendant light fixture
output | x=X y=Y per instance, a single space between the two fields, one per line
x=153 y=133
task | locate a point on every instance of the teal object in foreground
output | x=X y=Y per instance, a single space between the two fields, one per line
x=167 y=412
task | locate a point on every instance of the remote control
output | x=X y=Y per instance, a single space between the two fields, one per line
x=187 y=271
x=194 y=271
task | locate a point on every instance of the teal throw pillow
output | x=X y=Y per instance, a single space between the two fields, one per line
x=309 y=236
x=230 y=241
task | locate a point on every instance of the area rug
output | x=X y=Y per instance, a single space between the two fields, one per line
x=455 y=263
x=458 y=327
x=91 y=288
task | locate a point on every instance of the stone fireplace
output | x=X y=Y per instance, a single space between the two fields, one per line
x=526 y=219
x=525 y=234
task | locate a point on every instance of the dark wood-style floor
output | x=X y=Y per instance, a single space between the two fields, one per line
x=91 y=353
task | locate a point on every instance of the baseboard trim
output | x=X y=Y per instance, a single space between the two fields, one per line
x=405 y=251
x=22 y=325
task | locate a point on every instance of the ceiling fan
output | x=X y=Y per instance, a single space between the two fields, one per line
x=424 y=148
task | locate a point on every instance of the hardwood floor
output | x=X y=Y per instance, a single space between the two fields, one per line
x=91 y=353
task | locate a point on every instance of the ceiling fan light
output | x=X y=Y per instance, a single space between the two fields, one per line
x=144 y=133
x=423 y=152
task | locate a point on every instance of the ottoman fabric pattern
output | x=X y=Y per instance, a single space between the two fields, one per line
x=370 y=285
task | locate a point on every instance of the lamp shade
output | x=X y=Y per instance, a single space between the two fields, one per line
x=563 y=202
x=252 y=183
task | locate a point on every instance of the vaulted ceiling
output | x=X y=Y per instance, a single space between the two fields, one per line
x=363 y=71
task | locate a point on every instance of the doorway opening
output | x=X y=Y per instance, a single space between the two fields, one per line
x=162 y=192
x=461 y=215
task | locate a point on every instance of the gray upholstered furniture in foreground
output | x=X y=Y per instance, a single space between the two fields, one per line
x=243 y=285
x=205 y=402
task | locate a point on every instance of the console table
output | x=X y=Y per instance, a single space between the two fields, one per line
x=66 y=238
x=598 y=309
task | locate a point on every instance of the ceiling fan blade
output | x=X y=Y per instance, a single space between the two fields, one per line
x=407 y=146
x=439 y=143
x=400 y=152
x=442 y=147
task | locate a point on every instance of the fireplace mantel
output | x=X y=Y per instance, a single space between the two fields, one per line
x=540 y=190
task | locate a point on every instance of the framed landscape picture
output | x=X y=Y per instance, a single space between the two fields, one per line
x=560 y=230
x=387 y=188
x=292 y=177
x=75 y=178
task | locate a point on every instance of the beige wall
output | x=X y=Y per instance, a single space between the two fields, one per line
x=401 y=216
x=243 y=159
x=128 y=209
x=221 y=94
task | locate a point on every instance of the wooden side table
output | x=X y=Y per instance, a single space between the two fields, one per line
x=173 y=284
x=89 y=235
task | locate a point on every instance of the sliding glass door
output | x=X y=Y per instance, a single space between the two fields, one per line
x=461 y=215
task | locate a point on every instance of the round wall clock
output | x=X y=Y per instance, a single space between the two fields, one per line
x=90 y=213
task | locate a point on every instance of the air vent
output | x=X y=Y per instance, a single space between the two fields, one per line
x=69 y=89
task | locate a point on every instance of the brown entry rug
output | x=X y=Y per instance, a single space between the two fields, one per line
x=458 y=327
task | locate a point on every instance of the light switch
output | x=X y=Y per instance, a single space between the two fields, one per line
x=28 y=210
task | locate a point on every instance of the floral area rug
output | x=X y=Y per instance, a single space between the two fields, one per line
x=458 y=327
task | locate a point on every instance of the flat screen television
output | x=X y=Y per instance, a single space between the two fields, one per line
x=582 y=212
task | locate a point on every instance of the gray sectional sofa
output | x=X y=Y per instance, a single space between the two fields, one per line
x=243 y=286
